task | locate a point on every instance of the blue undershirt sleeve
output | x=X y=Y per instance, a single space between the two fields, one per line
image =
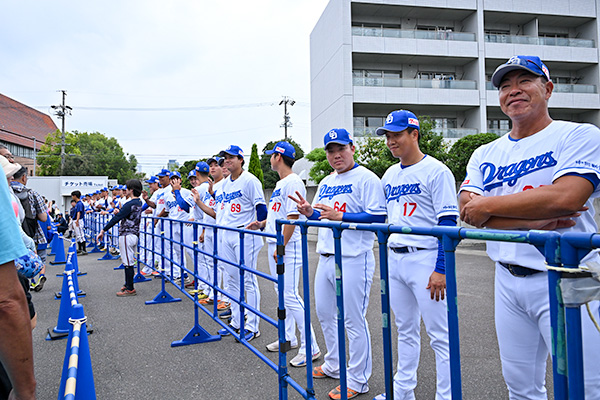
x=181 y=202
x=261 y=212
x=440 y=263
x=363 y=217
x=593 y=178
x=315 y=215
x=145 y=206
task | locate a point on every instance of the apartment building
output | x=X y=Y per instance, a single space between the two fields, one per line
x=436 y=58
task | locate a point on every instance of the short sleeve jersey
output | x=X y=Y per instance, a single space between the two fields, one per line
x=508 y=166
x=175 y=211
x=197 y=213
x=354 y=191
x=281 y=206
x=160 y=198
x=418 y=195
x=239 y=200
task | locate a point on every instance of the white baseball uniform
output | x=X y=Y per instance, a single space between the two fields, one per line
x=508 y=166
x=354 y=191
x=418 y=195
x=208 y=245
x=162 y=230
x=188 y=236
x=280 y=207
x=179 y=214
x=238 y=209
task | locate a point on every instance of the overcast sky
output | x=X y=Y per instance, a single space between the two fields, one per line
x=231 y=61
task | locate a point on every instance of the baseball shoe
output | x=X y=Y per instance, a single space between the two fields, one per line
x=189 y=284
x=274 y=347
x=225 y=314
x=300 y=360
x=318 y=373
x=207 y=301
x=381 y=396
x=248 y=335
x=337 y=393
x=225 y=332
x=124 y=293
x=223 y=306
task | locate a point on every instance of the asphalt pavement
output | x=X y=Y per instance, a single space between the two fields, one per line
x=132 y=357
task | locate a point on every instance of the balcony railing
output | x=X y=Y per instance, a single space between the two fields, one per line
x=413 y=34
x=415 y=83
x=539 y=41
x=451 y=133
x=561 y=88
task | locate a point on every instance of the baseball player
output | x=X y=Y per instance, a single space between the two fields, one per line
x=207 y=236
x=281 y=206
x=419 y=191
x=242 y=202
x=146 y=226
x=543 y=174
x=178 y=203
x=79 y=216
x=129 y=231
x=158 y=203
x=351 y=194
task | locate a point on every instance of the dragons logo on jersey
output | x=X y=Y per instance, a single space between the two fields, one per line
x=395 y=192
x=276 y=193
x=228 y=197
x=329 y=192
x=494 y=176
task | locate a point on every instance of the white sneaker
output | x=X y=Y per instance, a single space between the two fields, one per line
x=300 y=359
x=381 y=396
x=274 y=347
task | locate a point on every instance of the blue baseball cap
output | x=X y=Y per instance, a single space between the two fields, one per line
x=152 y=179
x=532 y=64
x=191 y=174
x=211 y=160
x=339 y=136
x=103 y=189
x=283 y=148
x=201 y=166
x=232 y=150
x=164 y=172
x=397 y=121
x=175 y=174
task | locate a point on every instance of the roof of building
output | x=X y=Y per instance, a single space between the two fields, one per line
x=18 y=123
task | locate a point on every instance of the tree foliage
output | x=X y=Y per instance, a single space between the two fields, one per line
x=254 y=164
x=430 y=142
x=91 y=154
x=271 y=177
x=321 y=167
x=185 y=169
x=460 y=153
x=372 y=153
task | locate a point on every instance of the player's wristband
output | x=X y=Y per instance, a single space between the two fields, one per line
x=315 y=215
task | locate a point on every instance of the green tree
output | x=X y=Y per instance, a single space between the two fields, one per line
x=271 y=177
x=321 y=167
x=460 y=153
x=373 y=154
x=254 y=164
x=91 y=154
x=430 y=142
x=185 y=169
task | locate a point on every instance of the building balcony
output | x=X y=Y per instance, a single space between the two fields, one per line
x=539 y=41
x=561 y=88
x=413 y=34
x=415 y=83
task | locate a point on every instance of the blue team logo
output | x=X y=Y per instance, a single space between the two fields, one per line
x=332 y=134
x=395 y=192
x=389 y=119
x=228 y=197
x=276 y=193
x=329 y=192
x=171 y=204
x=494 y=176
x=219 y=198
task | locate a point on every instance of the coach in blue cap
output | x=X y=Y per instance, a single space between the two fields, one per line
x=543 y=174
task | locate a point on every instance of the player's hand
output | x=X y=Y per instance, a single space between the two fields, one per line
x=329 y=213
x=210 y=186
x=201 y=238
x=437 y=286
x=195 y=195
x=555 y=223
x=144 y=195
x=100 y=236
x=304 y=206
x=275 y=256
x=255 y=225
x=176 y=183
x=474 y=213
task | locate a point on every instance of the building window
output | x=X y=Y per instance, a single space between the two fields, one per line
x=366 y=126
x=503 y=125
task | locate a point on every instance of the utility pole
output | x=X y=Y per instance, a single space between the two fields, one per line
x=286 y=117
x=62 y=111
